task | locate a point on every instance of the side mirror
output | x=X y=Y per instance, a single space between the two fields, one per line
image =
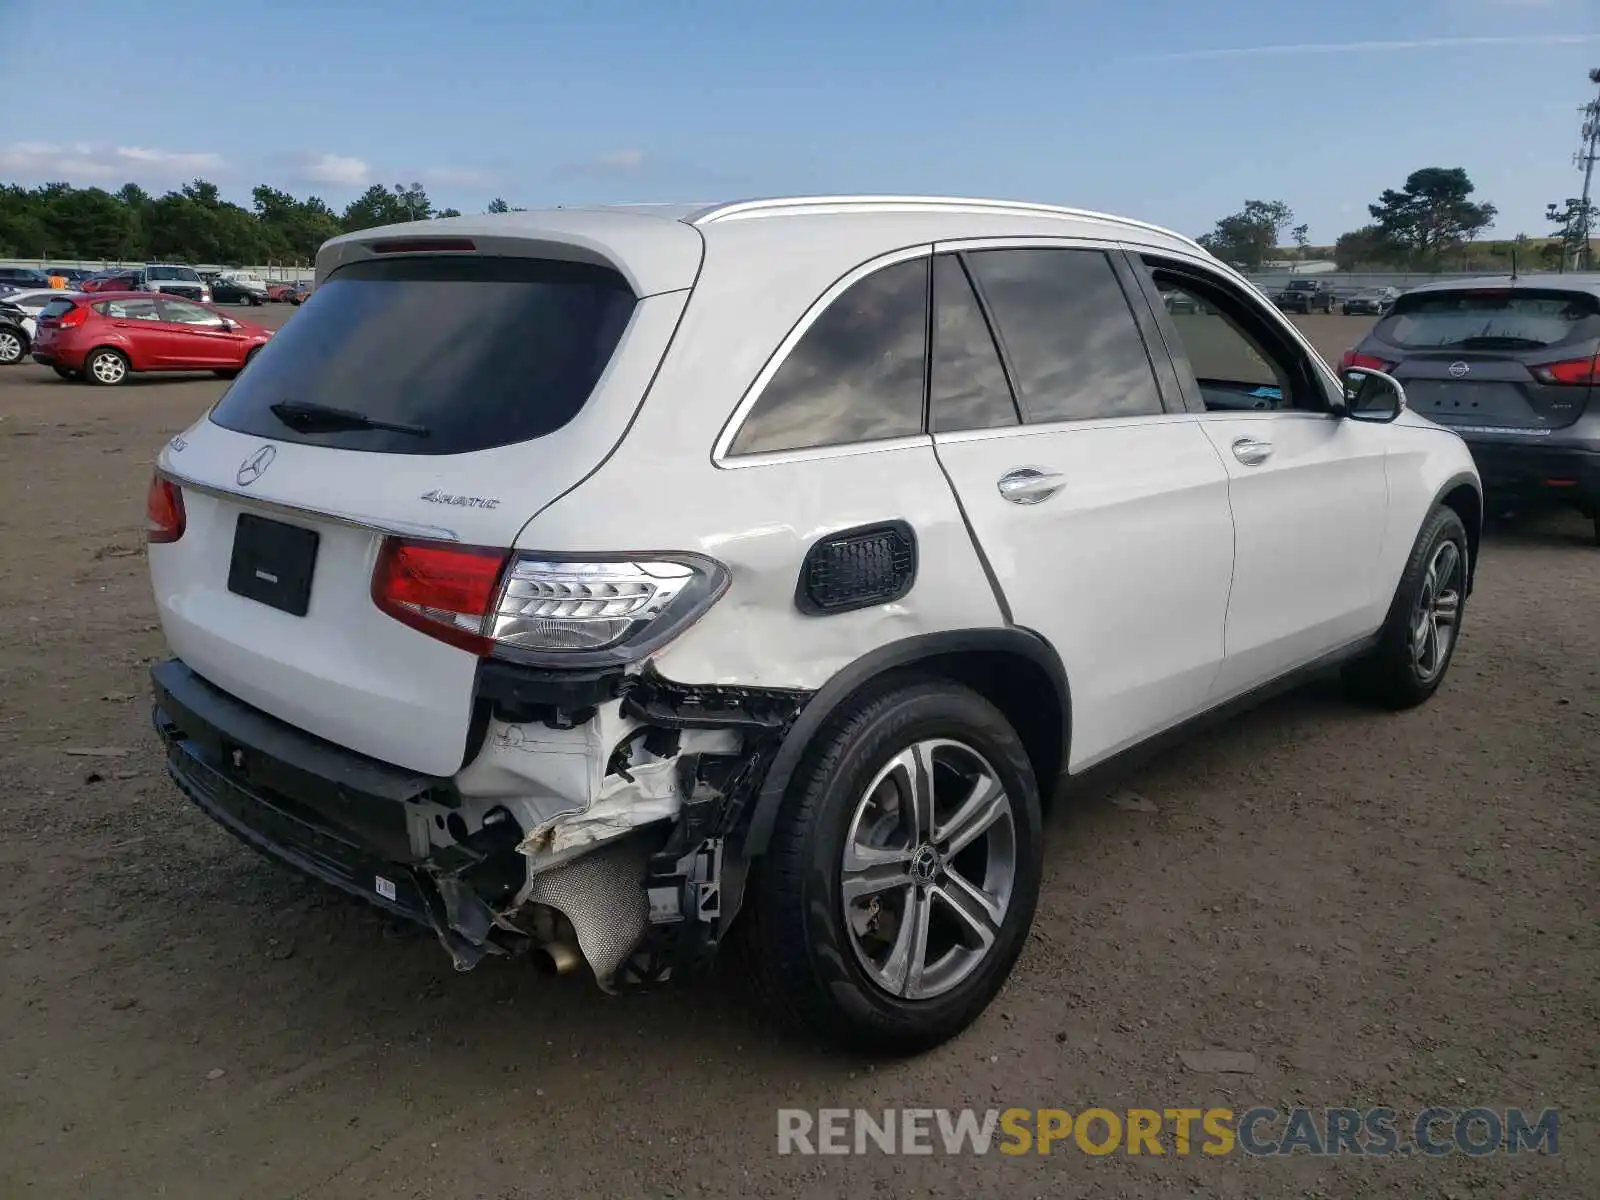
x=1372 y=396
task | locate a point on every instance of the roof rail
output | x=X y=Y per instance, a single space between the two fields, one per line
x=796 y=205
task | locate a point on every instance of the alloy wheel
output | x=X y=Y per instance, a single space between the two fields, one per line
x=929 y=868
x=1438 y=611
x=10 y=347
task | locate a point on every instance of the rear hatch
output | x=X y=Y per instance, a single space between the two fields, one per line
x=1513 y=361
x=418 y=400
x=48 y=322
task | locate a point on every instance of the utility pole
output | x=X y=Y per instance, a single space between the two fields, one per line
x=1588 y=151
x=411 y=196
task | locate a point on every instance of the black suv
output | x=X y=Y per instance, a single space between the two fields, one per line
x=1513 y=366
x=1305 y=296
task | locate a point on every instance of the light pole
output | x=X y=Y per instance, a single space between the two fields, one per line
x=1589 y=150
x=412 y=196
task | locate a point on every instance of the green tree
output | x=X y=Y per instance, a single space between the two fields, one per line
x=1431 y=214
x=1302 y=238
x=1248 y=237
x=1575 y=227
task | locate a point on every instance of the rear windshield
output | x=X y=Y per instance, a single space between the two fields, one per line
x=56 y=308
x=1525 y=319
x=478 y=352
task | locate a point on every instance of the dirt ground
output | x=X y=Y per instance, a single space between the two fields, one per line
x=1383 y=910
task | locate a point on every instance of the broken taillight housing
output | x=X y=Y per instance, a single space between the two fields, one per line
x=543 y=609
x=163 y=511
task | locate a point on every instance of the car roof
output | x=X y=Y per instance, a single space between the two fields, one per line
x=659 y=247
x=1575 y=281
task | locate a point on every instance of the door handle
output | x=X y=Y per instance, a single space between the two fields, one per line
x=1029 y=485
x=1251 y=452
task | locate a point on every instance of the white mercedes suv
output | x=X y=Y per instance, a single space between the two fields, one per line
x=601 y=583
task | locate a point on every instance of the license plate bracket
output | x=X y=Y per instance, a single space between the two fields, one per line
x=273 y=563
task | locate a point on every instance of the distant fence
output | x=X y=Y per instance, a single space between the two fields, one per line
x=1346 y=282
x=272 y=272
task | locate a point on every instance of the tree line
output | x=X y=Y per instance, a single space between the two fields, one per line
x=1430 y=223
x=193 y=224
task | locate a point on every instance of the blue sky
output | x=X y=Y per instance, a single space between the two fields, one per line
x=1170 y=111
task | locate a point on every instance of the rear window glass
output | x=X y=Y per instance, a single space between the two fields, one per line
x=56 y=308
x=479 y=352
x=1489 y=320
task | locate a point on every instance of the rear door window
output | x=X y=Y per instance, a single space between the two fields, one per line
x=968 y=388
x=1075 y=349
x=856 y=375
x=136 y=309
x=480 y=352
x=1490 y=319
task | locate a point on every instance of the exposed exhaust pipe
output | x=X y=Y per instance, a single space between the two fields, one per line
x=558 y=958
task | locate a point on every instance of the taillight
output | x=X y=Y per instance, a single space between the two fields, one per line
x=535 y=608
x=1574 y=372
x=163 y=510
x=1363 y=362
x=72 y=318
x=442 y=589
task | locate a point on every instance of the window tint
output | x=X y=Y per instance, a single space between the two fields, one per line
x=130 y=310
x=968 y=384
x=56 y=308
x=480 y=351
x=1231 y=366
x=1075 y=348
x=180 y=313
x=857 y=373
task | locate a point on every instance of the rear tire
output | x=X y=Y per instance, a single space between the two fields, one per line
x=67 y=373
x=13 y=347
x=106 y=367
x=1419 y=638
x=844 y=958
x=229 y=374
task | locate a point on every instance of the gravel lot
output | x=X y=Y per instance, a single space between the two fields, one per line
x=1380 y=909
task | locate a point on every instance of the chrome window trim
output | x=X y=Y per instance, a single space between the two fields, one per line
x=1135 y=419
x=300 y=511
x=842 y=450
x=720 y=455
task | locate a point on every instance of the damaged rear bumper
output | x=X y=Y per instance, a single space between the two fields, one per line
x=644 y=896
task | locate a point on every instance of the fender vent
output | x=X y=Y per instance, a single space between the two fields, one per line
x=858 y=568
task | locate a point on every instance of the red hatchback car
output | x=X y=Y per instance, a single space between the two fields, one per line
x=105 y=336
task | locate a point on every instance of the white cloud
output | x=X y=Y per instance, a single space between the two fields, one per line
x=83 y=161
x=338 y=170
x=1437 y=43
x=628 y=161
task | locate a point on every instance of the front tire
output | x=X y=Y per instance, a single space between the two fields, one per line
x=1419 y=638
x=105 y=367
x=903 y=872
x=67 y=372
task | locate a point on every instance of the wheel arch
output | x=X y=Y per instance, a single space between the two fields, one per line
x=1462 y=494
x=1015 y=669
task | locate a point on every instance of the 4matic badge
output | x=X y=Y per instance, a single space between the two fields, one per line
x=438 y=497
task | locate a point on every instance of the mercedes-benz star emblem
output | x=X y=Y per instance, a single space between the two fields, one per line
x=1458 y=369
x=254 y=467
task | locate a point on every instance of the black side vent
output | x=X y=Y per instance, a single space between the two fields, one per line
x=858 y=568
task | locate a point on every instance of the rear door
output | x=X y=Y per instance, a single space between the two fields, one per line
x=153 y=343
x=1103 y=515
x=1510 y=361
x=493 y=384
